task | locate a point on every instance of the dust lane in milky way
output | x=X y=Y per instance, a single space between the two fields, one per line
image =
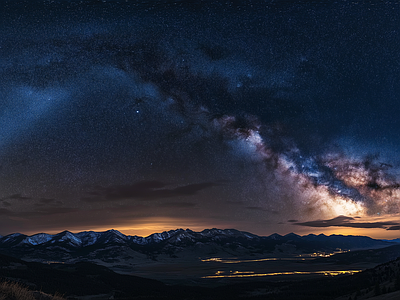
x=261 y=116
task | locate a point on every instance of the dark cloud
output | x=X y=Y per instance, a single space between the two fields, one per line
x=91 y=199
x=235 y=202
x=343 y=221
x=48 y=201
x=293 y=221
x=338 y=221
x=56 y=210
x=46 y=212
x=257 y=208
x=37 y=213
x=17 y=197
x=191 y=189
x=396 y=227
x=177 y=204
x=145 y=190
x=5 y=212
x=40 y=201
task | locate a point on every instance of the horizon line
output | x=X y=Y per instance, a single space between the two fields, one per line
x=214 y=228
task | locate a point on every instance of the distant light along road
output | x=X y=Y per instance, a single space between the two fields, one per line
x=220 y=274
x=309 y=256
x=229 y=261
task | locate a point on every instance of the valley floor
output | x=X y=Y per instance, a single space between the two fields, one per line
x=217 y=272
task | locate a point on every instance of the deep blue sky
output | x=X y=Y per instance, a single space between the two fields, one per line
x=263 y=116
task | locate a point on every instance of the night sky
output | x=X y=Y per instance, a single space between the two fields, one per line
x=145 y=116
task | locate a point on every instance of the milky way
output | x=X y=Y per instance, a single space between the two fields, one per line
x=151 y=116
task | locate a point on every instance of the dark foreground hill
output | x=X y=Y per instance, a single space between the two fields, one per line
x=83 y=279
x=10 y=290
x=77 y=279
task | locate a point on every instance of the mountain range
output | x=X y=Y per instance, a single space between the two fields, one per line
x=85 y=263
x=113 y=247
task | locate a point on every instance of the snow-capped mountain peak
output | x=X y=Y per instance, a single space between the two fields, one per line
x=88 y=237
x=13 y=235
x=69 y=237
x=113 y=245
x=117 y=233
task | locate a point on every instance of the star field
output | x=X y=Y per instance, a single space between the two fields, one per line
x=150 y=116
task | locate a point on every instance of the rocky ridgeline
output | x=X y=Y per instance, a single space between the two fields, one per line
x=112 y=245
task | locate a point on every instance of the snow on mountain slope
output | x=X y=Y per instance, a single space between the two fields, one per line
x=176 y=240
x=159 y=237
x=138 y=240
x=11 y=236
x=37 y=239
x=88 y=237
x=68 y=237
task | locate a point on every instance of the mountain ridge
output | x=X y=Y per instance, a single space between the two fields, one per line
x=38 y=238
x=179 y=243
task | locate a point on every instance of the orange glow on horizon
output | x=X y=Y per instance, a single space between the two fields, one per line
x=147 y=226
x=148 y=229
